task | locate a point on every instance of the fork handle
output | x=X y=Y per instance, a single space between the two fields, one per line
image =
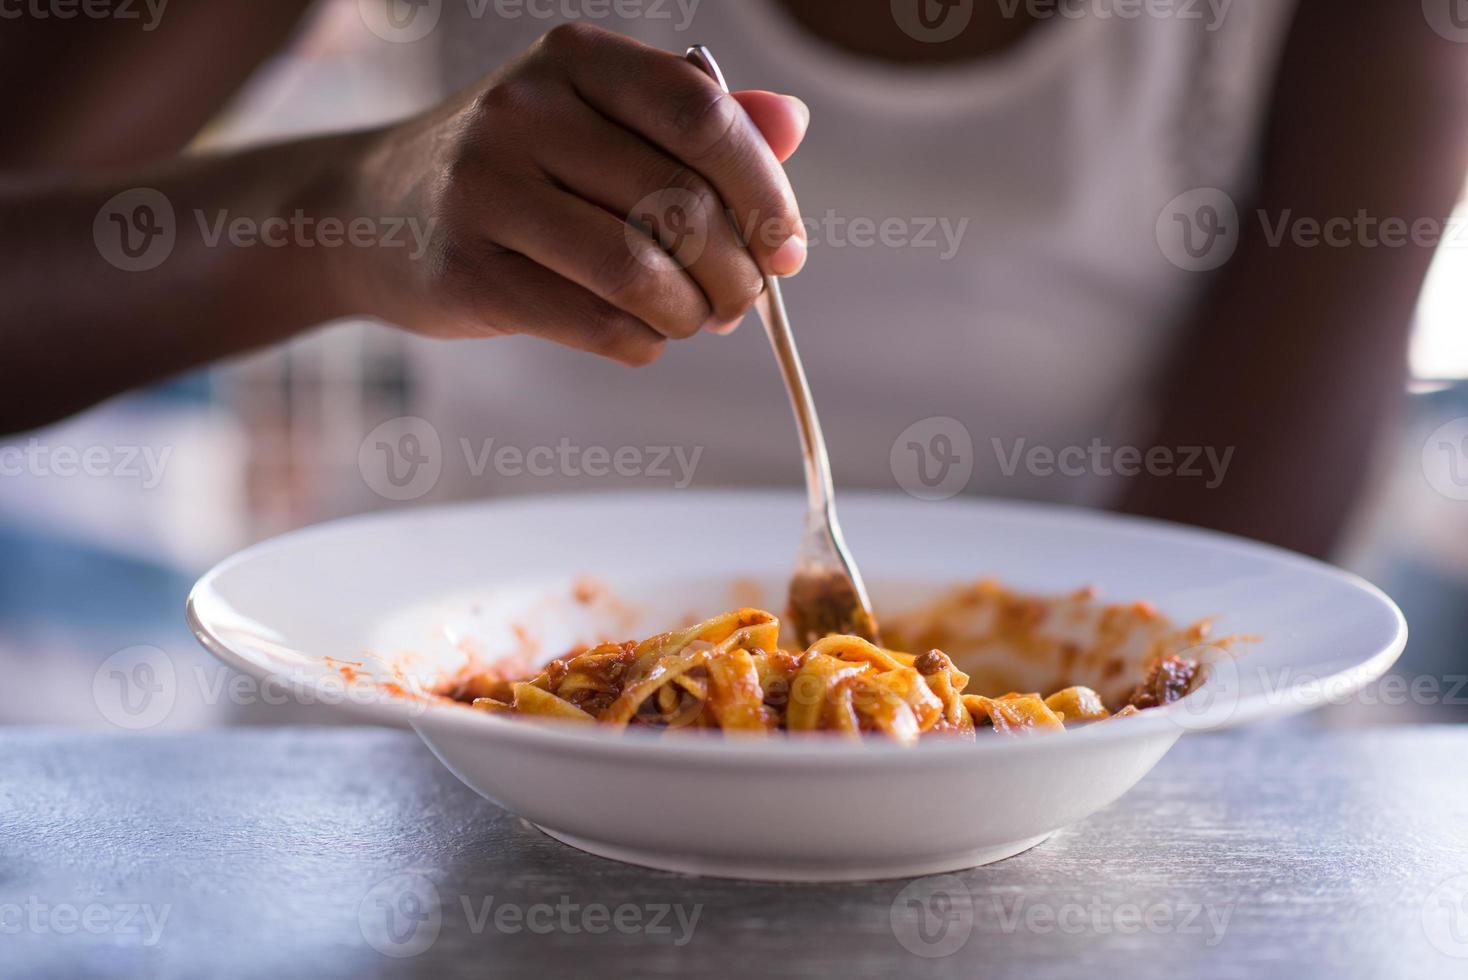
x=819 y=489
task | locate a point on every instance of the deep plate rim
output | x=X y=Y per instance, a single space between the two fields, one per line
x=722 y=751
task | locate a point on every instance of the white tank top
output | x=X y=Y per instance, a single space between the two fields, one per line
x=1022 y=290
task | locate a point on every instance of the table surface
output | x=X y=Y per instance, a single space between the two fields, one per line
x=353 y=853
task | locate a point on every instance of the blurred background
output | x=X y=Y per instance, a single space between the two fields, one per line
x=94 y=565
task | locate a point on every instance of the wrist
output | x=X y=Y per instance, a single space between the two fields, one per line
x=340 y=255
x=374 y=186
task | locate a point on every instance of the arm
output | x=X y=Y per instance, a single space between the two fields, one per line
x=112 y=93
x=77 y=326
x=103 y=96
x=1300 y=351
x=545 y=200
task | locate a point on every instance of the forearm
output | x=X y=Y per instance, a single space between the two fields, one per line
x=97 y=301
x=1296 y=413
x=1299 y=353
x=102 y=93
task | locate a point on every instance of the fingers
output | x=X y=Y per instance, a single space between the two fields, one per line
x=679 y=109
x=599 y=252
x=593 y=184
x=509 y=293
x=667 y=200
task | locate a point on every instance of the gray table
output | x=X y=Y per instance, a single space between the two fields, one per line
x=352 y=853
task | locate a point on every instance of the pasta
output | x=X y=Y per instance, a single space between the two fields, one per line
x=729 y=674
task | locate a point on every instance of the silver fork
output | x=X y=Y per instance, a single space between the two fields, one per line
x=826 y=591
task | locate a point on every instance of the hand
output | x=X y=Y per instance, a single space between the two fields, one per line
x=584 y=194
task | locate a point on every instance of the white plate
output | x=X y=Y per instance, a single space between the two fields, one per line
x=406 y=594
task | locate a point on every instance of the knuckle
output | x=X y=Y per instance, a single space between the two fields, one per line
x=648 y=282
x=570 y=38
x=703 y=120
x=624 y=273
x=502 y=98
x=697 y=191
x=609 y=329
